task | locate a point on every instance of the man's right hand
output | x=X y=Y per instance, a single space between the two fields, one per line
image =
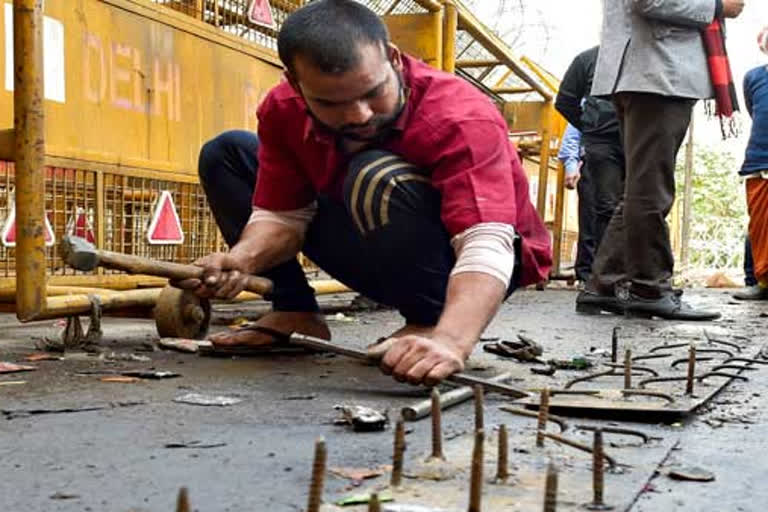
x=225 y=275
x=571 y=180
x=732 y=8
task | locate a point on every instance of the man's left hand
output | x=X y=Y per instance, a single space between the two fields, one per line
x=421 y=360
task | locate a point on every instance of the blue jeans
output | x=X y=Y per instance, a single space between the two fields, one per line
x=384 y=240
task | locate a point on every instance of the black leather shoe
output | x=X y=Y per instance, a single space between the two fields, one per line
x=591 y=303
x=755 y=292
x=669 y=307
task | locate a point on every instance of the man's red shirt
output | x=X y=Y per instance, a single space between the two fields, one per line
x=447 y=128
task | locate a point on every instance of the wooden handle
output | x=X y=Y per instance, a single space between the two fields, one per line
x=176 y=271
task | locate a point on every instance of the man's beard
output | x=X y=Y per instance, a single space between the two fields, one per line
x=382 y=123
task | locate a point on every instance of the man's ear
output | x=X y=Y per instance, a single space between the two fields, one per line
x=395 y=56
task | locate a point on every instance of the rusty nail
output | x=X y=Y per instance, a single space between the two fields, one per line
x=476 y=482
x=182 y=502
x=502 y=472
x=628 y=369
x=437 y=429
x=373 y=503
x=479 y=405
x=399 y=449
x=691 y=369
x=543 y=417
x=550 y=489
x=598 y=473
x=615 y=344
x=318 y=477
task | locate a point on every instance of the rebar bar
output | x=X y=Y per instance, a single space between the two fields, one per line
x=479 y=408
x=543 y=415
x=691 y=369
x=628 y=369
x=318 y=477
x=476 y=482
x=502 y=458
x=182 y=502
x=397 y=457
x=531 y=414
x=437 y=428
x=550 y=489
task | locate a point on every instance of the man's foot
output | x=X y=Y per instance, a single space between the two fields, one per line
x=592 y=303
x=310 y=324
x=755 y=292
x=669 y=307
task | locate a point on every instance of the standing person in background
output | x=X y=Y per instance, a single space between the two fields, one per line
x=602 y=175
x=571 y=154
x=751 y=291
x=654 y=63
x=755 y=172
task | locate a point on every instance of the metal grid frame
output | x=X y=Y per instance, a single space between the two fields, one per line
x=231 y=15
x=128 y=203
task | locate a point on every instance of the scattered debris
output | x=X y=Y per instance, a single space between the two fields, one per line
x=362 y=419
x=120 y=379
x=119 y=356
x=151 y=374
x=720 y=280
x=11 y=414
x=299 y=397
x=64 y=496
x=341 y=317
x=179 y=344
x=207 y=400
x=193 y=444
x=547 y=370
x=690 y=473
x=577 y=363
x=525 y=349
x=359 y=474
x=362 y=499
x=42 y=356
x=15 y=368
x=13 y=383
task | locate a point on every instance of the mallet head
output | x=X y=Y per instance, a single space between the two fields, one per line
x=79 y=253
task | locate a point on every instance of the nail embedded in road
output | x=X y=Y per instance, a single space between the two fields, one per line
x=437 y=429
x=318 y=477
x=476 y=478
x=479 y=407
x=397 y=457
x=543 y=417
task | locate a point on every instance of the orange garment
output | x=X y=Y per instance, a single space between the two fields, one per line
x=757 y=205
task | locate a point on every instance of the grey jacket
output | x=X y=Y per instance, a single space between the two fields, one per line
x=654 y=46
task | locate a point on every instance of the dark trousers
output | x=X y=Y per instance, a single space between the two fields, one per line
x=749 y=263
x=384 y=240
x=636 y=247
x=599 y=188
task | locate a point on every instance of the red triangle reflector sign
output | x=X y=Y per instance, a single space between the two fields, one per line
x=165 y=226
x=79 y=225
x=260 y=13
x=8 y=234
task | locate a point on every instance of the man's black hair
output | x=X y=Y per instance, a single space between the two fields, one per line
x=329 y=33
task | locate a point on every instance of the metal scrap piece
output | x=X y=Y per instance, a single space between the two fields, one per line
x=615 y=430
x=707 y=375
x=362 y=419
x=579 y=446
x=530 y=414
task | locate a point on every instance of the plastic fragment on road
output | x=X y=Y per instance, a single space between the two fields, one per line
x=179 y=344
x=15 y=368
x=42 y=356
x=207 y=400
